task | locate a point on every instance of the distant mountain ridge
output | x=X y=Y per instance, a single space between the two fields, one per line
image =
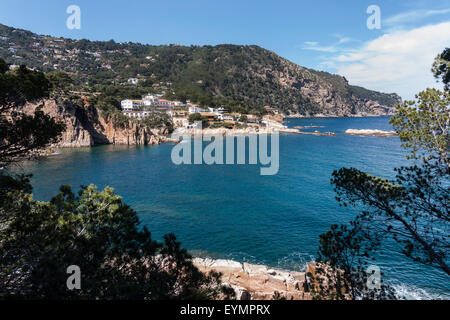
x=248 y=74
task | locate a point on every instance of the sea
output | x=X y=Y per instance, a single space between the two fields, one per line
x=234 y=212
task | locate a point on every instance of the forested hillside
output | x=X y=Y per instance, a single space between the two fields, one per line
x=246 y=75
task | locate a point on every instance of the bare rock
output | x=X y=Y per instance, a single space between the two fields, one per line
x=85 y=127
x=257 y=282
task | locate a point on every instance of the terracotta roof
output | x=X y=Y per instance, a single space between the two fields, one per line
x=208 y=114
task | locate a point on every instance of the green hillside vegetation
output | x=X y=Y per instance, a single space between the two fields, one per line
x=243 y=78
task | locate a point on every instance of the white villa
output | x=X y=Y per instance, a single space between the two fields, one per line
x=149 y=103
x=129 y=104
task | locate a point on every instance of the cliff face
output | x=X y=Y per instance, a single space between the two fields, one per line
x=306 y=92
x=85 y=127
x=330 y=95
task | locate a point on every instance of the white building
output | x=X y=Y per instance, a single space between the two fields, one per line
x=222 y=110
x=129 y=104
x=150 y=100
x=195 y=109
x=217 y=111
x=126 y=105
x=178 y=104
x=137 y=114
x=226 y=117
x=163 y=103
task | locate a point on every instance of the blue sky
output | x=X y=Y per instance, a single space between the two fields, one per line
x=325 y=35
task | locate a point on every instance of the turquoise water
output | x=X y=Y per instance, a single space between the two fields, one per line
x=231 y=211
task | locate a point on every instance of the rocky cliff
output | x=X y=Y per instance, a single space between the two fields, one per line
x=324 y=94
x=85 y=127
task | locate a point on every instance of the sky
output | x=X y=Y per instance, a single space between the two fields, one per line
x=328 y=35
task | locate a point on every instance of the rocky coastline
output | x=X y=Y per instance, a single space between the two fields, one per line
x=232 y=132
x=273 y=124
x=258 y=282
x=86 y=127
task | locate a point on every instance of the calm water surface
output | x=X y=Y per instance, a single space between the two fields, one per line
x=233 y=212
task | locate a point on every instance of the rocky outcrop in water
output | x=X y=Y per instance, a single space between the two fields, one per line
x=370 y=132
x=86 y=127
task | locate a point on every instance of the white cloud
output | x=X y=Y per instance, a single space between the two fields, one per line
x=411 y=16
x=315 y=46
x=396 y=62
x=342 y=39
x=336 y=47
